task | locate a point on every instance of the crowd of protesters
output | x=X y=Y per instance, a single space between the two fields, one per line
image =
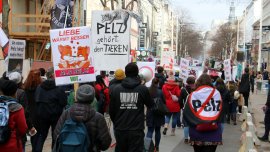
x=41 y=105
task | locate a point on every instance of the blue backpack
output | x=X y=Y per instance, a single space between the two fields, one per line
x=73 y=138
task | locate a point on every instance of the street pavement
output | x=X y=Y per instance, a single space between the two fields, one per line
x=231 y=135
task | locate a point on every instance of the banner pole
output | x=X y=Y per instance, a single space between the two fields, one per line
x=66 y=17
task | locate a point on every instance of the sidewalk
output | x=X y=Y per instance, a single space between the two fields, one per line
x=257 y=102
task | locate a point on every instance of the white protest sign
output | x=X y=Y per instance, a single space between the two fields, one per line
x=110 y=39
x=147 y=69
x=184 y=69
x=196 y=71
x=16 y=53
x=167 y=59
x=3 y=38
x=72 y=58
x=227 y=70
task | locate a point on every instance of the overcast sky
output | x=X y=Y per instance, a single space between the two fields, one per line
x=203 y=12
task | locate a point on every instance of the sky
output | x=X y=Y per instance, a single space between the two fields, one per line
x=203 y=12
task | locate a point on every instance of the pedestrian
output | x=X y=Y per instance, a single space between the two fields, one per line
x=30 y=85
x=266 y=110
x=50 y=102
x=16 y=121
x=21 y=98
x=161 y=76
x=226 y=101
x=102 y=94
x=171 y=93
x=252 y=81
x=105 y=77
x=203 y=117
x=119 y=75
x=155 y=121
x=126 y=111
x=265 y=74
x=82 y=111
x=234 y=94
x=244 y=87
x=185 y=92
x=259 y=76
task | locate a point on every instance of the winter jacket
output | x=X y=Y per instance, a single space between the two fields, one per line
x=244 y=86
x=168 y=89
x=153 y=120
x=185 y=91
x=50 y=100
x=17 y=124
x=95 y=123
x=113 y=83
x=98 y=89
x=126 y=108
x=226 y=101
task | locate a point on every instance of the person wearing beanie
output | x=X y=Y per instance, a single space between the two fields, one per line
x=16 y=111
x=126 y=110
x=119 y=75
x=81 y=111
x=50 y=102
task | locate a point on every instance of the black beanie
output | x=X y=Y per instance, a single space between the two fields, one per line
x=8 y=87
x=131 y=70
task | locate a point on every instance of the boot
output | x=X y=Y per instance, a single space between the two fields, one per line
x=165 y=131
x=173 y=132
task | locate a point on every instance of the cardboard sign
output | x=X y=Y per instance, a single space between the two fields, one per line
x=184 y=69
x=16 y=53
x=147 y=69
x=167 y=59
x=72 y=58
x=227 y=70
x=110 y=39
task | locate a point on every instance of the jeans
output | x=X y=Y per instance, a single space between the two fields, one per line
x=222 y=127
x=157 y=134
x=129 y=141
x=186 y=132
x=174 y=118
x=179 y=119
x=38 y=140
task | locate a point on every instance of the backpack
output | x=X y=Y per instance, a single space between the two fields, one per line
x=159 y=107
x=72 y=138
x=5 y=131
x=101 y=101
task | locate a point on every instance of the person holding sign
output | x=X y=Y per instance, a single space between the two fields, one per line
x=202 y=113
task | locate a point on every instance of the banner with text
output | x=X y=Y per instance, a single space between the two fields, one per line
x=16 y=53
x=184 y=69
x=72 y=59
x=227 y=70
x=110 y=39
x=167 y=59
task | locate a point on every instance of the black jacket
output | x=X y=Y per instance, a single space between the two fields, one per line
x=50 y=100
x=126 y=107
x=95 y=123
x=244 y=86
x=153 y=120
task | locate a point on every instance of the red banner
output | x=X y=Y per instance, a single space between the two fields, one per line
x=72 y=72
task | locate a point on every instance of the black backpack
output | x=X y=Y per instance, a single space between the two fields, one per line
x=159 y=107
x=5 y=131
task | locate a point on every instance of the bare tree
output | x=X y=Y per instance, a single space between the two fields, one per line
x=224 y=41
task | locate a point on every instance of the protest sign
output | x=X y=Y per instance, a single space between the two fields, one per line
x=227 y=70
x=167 y=59
x=16 y=53
x=3 y=38
x=147 y=69
x=184 y=69
x=72 y=59
x=110 y=39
